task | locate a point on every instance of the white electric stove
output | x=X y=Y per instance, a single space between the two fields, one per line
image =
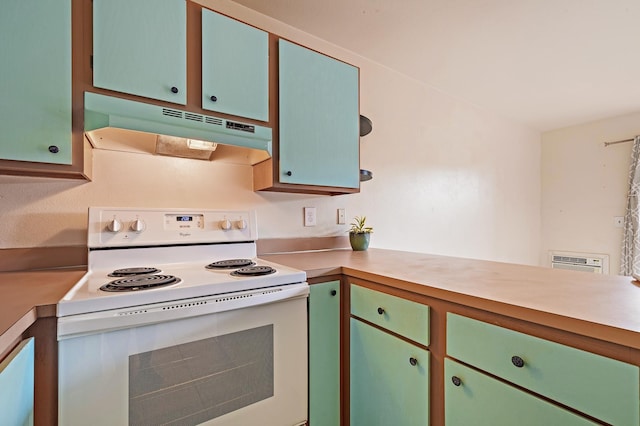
x=164 y=283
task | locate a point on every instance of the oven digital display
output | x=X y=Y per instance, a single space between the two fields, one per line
x=184 y=222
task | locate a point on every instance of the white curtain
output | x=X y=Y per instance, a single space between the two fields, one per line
x=630 y=257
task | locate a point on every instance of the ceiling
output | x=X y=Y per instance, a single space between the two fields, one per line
x=545 y=63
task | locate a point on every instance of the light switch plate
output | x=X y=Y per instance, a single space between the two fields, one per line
x=341 y=217
x=310 y=216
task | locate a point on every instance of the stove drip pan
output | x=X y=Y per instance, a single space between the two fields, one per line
x=253 y=271
x=231 y=264
x=140 y=282
x=127 y=272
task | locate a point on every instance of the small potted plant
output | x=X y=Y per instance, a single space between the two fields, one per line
x=359 y=233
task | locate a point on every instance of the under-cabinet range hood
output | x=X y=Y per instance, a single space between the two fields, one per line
x=123 y=125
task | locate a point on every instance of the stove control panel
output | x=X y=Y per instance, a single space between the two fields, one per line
x=116 y=227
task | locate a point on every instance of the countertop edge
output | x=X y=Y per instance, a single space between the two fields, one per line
x=9 y=338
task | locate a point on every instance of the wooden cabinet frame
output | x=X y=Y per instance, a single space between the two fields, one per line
x=437 y=346
x=265 y=174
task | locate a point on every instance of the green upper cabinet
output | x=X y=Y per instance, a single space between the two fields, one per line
x=35 y=81
x=235 y=67
x=139 y=47
x=324 y=354
x=319 y=119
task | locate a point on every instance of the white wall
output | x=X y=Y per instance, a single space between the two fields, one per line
x=449 y=178
x=584 y=186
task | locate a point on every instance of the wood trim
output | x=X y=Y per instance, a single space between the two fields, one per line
x=285 y=245
x=44 y=330
x=34 y=258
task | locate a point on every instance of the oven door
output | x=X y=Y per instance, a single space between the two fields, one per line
x=236 y=367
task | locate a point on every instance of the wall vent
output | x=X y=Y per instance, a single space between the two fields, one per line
x=586 y=262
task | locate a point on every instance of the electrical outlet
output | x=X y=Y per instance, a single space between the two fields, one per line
x=618 y=221
x=310 y=216
x=341 y=217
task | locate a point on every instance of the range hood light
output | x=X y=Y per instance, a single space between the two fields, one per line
x=201 y=145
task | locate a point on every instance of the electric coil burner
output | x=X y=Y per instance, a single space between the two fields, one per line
x=127 y=272
x=253 y=271
x=230 y=264
x=140 y=282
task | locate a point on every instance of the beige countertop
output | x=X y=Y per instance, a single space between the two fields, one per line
x=603 y=307
x=27 y=296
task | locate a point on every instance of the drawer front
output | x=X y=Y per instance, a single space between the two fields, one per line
x=409 y=319
x=483 y=401
x=604 y=388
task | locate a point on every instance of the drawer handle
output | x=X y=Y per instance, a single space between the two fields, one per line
x=517 y=361
x=174 y=89
x=213 y=98
x=456 y=380
x=288 y=173
x=413 y=361
x=54 y=149
x=333 y=292
x=381 y=311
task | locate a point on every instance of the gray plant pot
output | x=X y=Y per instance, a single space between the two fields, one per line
x=359 y=242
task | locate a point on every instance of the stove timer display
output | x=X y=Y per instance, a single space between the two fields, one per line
x=183 y=221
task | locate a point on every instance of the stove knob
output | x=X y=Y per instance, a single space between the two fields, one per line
x=138 y=226
x=241 y=224
x=225 y=224
x=114 y=226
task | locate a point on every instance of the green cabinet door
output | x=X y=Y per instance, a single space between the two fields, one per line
x=139 y=47
x=472 y=398
x=16 y=385
x=35 y=80
x=324 y=354
x=319 y=119
x=235 y=67
x=386 y=388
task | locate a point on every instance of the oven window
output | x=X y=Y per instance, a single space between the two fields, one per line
x=194 y=382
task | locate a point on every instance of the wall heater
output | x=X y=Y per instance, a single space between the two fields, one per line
x=586 y=262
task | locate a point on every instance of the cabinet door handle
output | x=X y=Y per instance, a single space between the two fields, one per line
x=53 y=149
x=333 y=292
x=288 y=173
x=213 y=98
x=380 y=311
x=517 y=361
x=413 y=361
x=174 y=89
x=456 y=380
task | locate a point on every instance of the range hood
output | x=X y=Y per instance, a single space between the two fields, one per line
x=123 y=125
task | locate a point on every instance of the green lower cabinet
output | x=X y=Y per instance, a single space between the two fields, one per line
x=324 y=354
x=473 y=398
x=16 y=385
x=598 y=386
x=389 y=379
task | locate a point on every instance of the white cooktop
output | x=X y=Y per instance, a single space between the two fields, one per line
x=196 y=281
x=177 y=242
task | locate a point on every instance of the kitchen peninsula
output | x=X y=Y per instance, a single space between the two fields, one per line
x=592 y=313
